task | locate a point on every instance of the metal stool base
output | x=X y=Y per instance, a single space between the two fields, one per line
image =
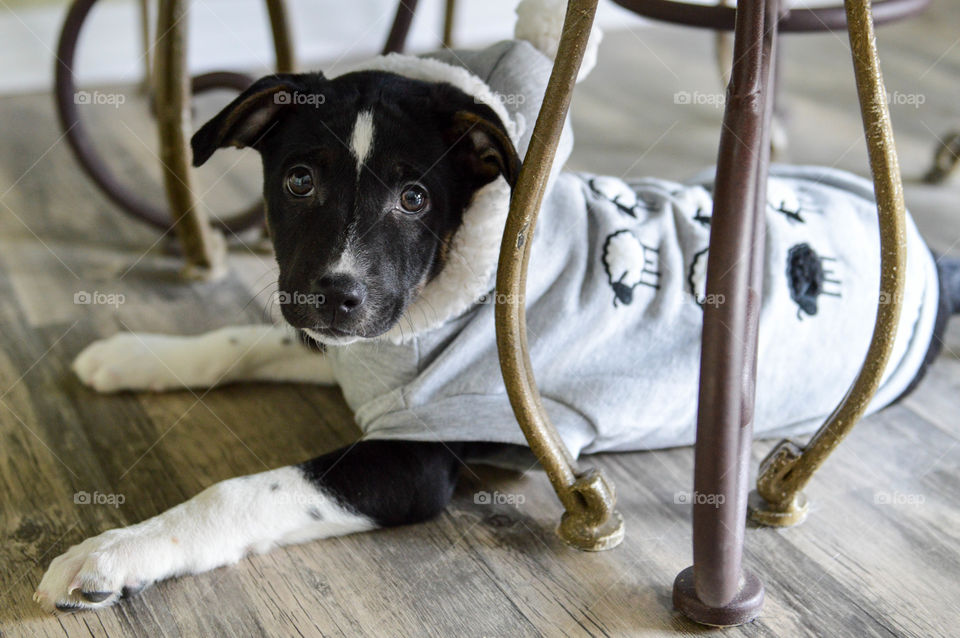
x=744 y=608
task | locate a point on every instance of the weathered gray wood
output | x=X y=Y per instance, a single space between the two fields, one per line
x=877 y=557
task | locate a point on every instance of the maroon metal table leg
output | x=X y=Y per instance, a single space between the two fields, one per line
x=716 y=590
x=798 y=20
x=401 y=26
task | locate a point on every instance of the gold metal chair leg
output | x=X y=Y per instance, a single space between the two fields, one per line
x=590 y=521
x=204 y=249
x=448 y=19
x=282 y=42
x=723 y=48
x=779 y=500
x=147 y=84
x=945 y=159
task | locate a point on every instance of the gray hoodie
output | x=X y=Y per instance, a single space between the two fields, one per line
x=614 y=301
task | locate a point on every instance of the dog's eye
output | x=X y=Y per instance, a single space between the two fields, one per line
x=413 y=199
x=299 y=181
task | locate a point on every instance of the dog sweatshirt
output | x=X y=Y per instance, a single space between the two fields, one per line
x=615 y=299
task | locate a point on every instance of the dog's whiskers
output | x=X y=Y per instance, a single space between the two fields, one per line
x=258 y=293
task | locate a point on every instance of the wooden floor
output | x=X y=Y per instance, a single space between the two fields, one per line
x=877 y=557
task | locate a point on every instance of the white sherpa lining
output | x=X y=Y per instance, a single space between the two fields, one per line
x=540 y=22
x=431 y=70
x=475 y=248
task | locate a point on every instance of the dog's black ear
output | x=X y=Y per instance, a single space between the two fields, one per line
x=484 y=148
x=245 y=120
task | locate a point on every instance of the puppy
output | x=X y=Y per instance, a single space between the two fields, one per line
x=386 y=192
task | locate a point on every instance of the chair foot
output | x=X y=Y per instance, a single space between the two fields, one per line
x=597 y=526
x=214 y=266
x=762 y=512
x=579 y=534
x=775 y=502
x=744 y=607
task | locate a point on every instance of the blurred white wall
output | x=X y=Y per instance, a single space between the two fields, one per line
x=234 y=35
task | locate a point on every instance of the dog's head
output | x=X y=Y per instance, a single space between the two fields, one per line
x=366 y=179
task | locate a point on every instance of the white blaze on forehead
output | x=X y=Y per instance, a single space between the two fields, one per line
x=361 y=140
x=347 y=262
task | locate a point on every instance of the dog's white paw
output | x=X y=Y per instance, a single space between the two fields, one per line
x=98 y=572
x=129 y=361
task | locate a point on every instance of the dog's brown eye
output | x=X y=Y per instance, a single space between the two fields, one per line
x=299 y=181
x=413 y=199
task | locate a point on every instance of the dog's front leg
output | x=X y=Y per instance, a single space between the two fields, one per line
x=368 y=485
x=141 y=361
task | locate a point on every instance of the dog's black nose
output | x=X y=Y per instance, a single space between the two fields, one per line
x=341 y=293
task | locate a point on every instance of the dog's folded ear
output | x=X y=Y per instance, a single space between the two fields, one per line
x=248 y=118
x=492 y=151
x=478 y=137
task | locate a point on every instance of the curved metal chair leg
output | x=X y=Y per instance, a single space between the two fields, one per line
x=779 y=136
x=723 y=48
x=449 y=14
x=282 y=42
x=946 y=158
x=147 y=60
x=779 y=498
x=82 y=144
x=590 y=521
x=716 y=590
x=204 y=249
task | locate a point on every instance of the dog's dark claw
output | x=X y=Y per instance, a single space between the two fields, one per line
x=96 y=596
x=132 y=590
x=68 y=606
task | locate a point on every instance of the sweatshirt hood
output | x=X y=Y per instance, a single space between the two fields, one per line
x=510 y=77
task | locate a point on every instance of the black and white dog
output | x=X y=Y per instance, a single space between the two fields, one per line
x=366 y=192
x=363 y=201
